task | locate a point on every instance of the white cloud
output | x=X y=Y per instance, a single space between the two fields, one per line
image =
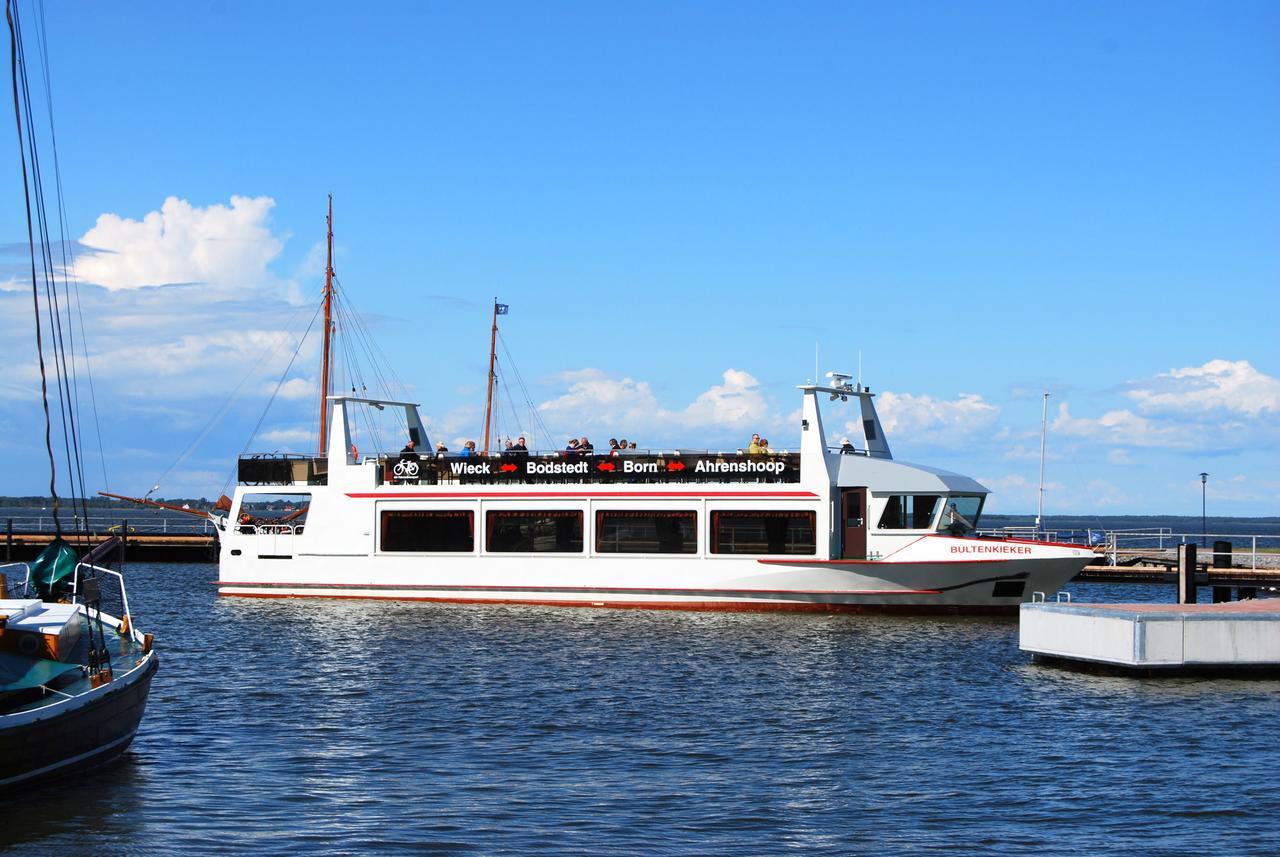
x=596 y=404
x=1222 y=385
x=226 y=248
x=297 y=388
x=936 y=422
x=1222 y=405
x=737 y=403
x=1119 y=456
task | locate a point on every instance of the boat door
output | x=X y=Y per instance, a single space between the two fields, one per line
x=853 y=517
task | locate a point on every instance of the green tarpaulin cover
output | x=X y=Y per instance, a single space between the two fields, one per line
x=52 y=570
x=19 y=673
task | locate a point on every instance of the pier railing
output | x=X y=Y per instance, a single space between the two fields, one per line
x=104 y=525
x=1159 y=545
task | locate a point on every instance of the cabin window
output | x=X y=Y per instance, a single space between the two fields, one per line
x=280 y=513
x=534 y=531
x=763 y=532
x=909 y=512
x=646 y=532
x=960 y=515
x=423 y=530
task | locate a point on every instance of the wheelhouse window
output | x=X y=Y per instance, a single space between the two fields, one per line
x=960 y=515
x=426 y=530
x=534 y=531
x=273 y=513
x=763 y=532
x=909 y=512
x=646 y=532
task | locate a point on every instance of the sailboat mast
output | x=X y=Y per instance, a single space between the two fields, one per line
x=488 y=397
x=328 y=327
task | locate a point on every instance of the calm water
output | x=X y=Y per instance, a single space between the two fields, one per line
x=359 y=727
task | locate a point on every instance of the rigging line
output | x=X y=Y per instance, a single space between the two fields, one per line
x=274 y=393
x=267 y=356
x=71 y=379
x=363 y=339
x=377 y=357
x=537 y=417
x=54 y=318
x=11 y=15
x=280 y=383
x=68 y=263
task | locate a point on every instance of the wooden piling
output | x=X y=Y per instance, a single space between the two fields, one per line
x=1187 y=574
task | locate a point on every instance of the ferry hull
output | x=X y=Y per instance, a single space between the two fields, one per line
x=769 y=585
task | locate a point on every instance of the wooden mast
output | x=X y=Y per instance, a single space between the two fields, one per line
x=328 y=326
x=488 y=398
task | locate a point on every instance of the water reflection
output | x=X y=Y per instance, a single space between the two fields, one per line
x=288 y=725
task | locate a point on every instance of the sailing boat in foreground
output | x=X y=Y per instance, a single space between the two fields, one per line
x=73 y=678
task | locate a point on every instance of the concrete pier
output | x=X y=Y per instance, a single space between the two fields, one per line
x=1230 y=638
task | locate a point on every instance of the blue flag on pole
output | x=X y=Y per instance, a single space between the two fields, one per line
x=502 y=309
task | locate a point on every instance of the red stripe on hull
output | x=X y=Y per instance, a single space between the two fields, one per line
x=575 y=495
x=693 y=606
x=640 y=589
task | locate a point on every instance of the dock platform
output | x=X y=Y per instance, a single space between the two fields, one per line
x=1238 y=638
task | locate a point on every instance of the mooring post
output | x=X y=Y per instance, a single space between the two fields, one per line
x=1221 y=559
x=1187 y=574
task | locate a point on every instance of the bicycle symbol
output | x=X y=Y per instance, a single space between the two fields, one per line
x=405 y=469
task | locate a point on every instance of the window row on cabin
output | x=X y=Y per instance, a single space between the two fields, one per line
x=616 y=531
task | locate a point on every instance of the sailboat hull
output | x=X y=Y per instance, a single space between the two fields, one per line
x=81 y=732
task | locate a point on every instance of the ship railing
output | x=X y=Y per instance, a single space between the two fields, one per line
x=125 y=620
x=603 y=468
x=266 y=528
x=5 y=590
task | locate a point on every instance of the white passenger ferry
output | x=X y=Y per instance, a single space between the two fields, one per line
x=825 y=529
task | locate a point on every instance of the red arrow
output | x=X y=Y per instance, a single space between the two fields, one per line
x=508 y=468
x=606 y=465
x=676 y=465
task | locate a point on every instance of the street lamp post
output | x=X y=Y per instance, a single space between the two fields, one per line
x=1204 y=529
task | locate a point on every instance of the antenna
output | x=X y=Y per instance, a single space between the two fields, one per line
x=1044 y=422
x=859 y=368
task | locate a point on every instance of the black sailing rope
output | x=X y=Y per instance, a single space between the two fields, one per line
x=11 y=16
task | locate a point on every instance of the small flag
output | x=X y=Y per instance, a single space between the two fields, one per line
x=501 y=309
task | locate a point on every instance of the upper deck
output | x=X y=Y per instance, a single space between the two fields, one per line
x=535 y=468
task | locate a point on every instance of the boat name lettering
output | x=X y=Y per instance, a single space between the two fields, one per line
x=749 y=466
x=461 y=467
x=1018 y=549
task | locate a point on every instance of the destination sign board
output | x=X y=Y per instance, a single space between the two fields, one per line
x=535 y=469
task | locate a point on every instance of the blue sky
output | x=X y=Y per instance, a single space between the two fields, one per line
x=678 y=201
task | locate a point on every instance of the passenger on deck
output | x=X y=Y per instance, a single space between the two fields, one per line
x=613 y=446
x=622 y=446
x=441 y=450
x=846 y=448
x=764 y=446
x=571 y=449
x=519 y=448
x=754 y=447
x=468 y=449
x=585 y=447
x=409 y=453
x=633 y=445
